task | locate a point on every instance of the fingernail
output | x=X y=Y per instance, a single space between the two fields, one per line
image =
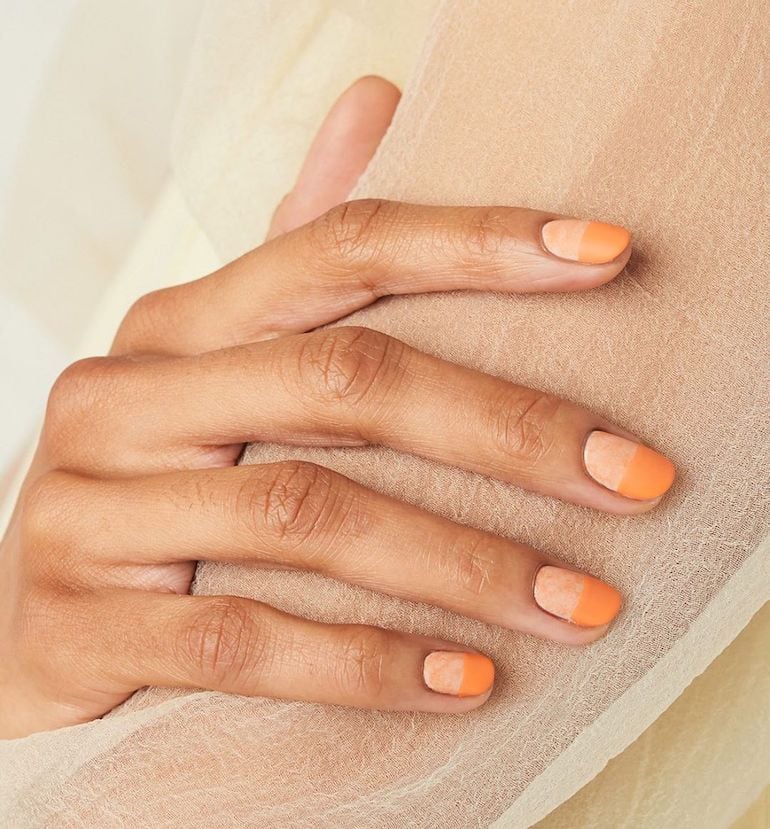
x=629 y=468
x=576 y=597
x=459 y=674
x=592 y=243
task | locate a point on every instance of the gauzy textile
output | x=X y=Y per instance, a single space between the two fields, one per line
x=652 y=116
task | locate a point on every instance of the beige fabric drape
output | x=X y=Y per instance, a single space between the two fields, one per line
x=647 y=116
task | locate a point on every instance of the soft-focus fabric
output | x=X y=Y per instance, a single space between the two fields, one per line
x=585 y=110
x=110 y=100
x=89 y=169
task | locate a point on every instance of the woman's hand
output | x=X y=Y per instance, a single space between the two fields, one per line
x=134 y=480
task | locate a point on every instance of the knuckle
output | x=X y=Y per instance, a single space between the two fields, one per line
x=295 y=504
x=51 y=540
x=147 y=316
x=74 y=383
x=43 y=506
x=483 y=235
x=347 y=364
x=78 y=390
x=523 y=426
x=363 y=661
x=224 y=642
x=352 y=233
x=38 y=623
x=473 y=566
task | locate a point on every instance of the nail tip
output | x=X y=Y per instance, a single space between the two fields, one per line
x=649 y=477
x=479 y=675
x=599 y=606
x=603 y=243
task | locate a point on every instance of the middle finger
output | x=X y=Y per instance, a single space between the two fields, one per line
x=355 y=386
x=363 y=250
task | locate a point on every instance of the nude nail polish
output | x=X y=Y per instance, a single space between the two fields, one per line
x=627 y=467
x=592 y=243
x=458 y=674
x=576 y=597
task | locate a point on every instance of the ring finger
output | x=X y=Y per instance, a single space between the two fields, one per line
x=304 y=516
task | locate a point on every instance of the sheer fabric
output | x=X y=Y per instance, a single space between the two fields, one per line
x=583 y=109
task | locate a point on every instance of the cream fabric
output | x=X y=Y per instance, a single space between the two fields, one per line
x=90 y=167
x=567 y=136
x=104 y=125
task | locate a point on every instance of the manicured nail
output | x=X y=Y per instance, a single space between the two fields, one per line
x=458 y=674
x=592 y=243
x=580 y=599
x=629 y=468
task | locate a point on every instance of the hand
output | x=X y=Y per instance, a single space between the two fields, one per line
x=134 y=481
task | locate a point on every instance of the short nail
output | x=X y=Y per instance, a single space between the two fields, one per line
x=459 y=674
x=592 y=243
x=580 y=599
x=627 y=467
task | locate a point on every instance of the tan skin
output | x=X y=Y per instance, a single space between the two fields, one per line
x=134 y=478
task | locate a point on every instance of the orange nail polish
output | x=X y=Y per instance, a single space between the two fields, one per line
x=576 y=597
x=592 y=243
x=458 y=674
x=629 y=468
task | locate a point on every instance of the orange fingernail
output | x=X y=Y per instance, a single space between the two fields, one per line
x=580 y=599
x=592 y=243
x=459 y=674
x=629 y=468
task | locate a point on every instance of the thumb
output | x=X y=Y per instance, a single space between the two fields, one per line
x=340 y=152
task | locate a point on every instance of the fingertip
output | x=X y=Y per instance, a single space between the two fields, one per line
x=553 y=254
x=341 y=150
x=375 y=86
x=585 y=277
x=589 y=636
x=362 y=114
x=579 y=254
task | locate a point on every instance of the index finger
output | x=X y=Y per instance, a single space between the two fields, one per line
x=363 y=250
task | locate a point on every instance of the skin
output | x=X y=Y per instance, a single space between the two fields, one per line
x=117 y=508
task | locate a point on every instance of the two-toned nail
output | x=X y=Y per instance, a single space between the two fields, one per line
x=458 y=674
x=592 y=243
x=576 y=597
x=626 y=467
